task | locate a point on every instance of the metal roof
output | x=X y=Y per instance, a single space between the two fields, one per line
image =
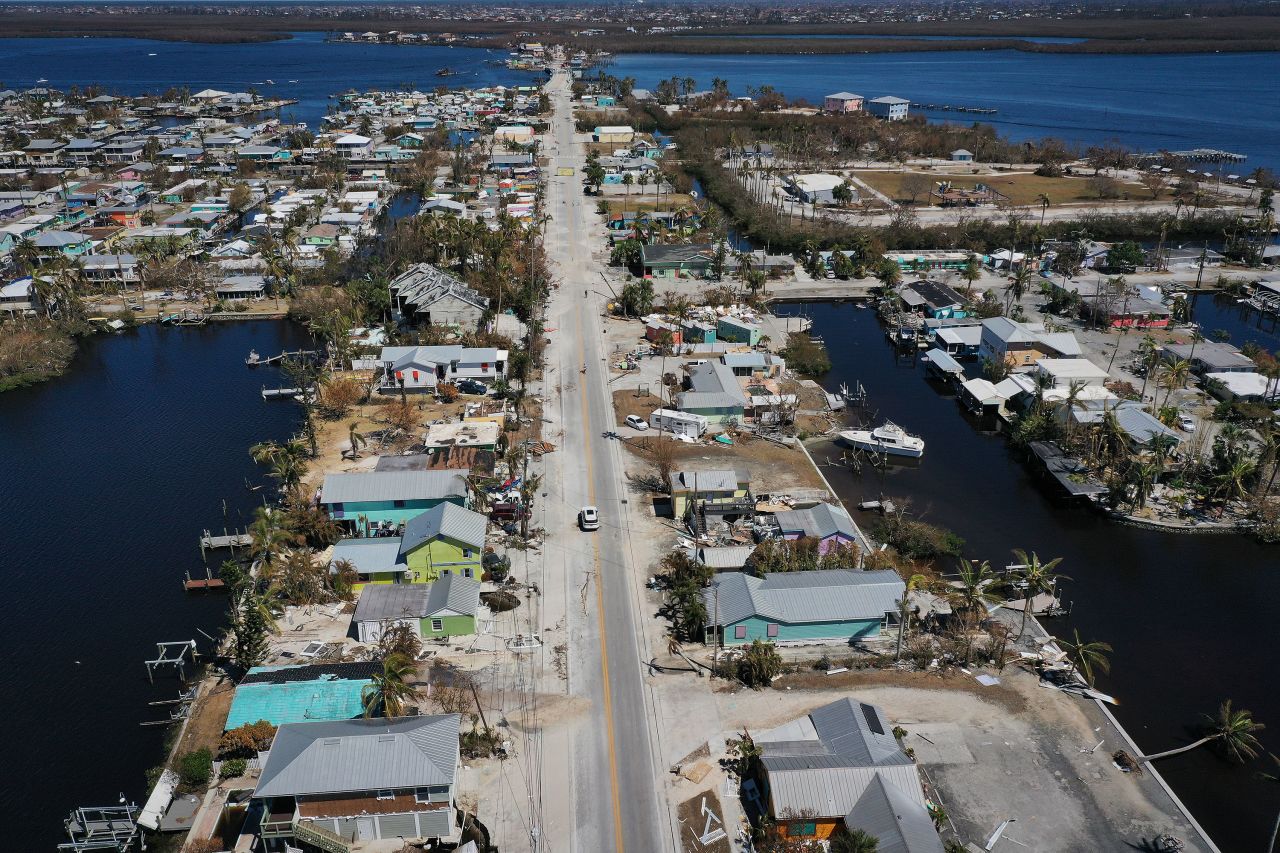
x=446 y=519
x=393 y=485
x=899 y=823
x=726 y=557
x=377 y=554
x=360 y=755
x=454 y=595
x=714 y=480
x=832 y=595
x=822 y=764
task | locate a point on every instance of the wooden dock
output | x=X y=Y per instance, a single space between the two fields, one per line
x=255 y=360
x=232 y=540
x=281 y=393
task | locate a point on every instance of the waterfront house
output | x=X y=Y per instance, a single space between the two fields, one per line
x=423 y=368
x=331 y=784
x=1021 y=345
x=677 y=260
x=829 y=524
x=1241 y=385
x=1210 y=357
x=445 y=540
x=843 y=102
x=735 y=330
x=888 y=107
x=841 y=767
x=425 y=294
x=369 y=500
x=959 y=341
x=825 y=606
x=18 y=298
x=443 y=608
x=962 y=155
x=714 y=392
x=933 y=299
x=239 y=287
x=443 y=207
x=721 y=488
x=118 y=269
x=1140 y=427
x=296 y=694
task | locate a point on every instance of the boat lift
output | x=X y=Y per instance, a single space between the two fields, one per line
x=171 y=654
x=102 y=828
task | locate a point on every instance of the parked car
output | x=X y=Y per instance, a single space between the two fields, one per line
x=589 y=518
x=636 y=422
x=470 y=386
x=1186 y=423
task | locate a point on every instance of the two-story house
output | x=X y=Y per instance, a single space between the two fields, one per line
x=445 y=540
x=425 y=294
x=367 y=501
x=330 y=784
x=721 y=487
x=424 y=368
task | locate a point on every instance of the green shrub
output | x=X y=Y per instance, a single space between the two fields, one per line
x=196 y=768
x=232 y=768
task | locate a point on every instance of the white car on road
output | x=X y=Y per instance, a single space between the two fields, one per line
x=637 y=422
x=1186 y=423
x=589 y=518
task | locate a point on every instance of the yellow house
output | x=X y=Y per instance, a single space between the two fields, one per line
x=713 y=487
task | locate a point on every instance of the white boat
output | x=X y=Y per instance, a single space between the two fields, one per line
x=888 y=438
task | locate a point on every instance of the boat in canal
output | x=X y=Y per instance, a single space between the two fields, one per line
x=888 y=438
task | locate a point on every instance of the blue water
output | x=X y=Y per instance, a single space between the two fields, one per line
x=321 y=69
x=1148 y=102
x=110 y=474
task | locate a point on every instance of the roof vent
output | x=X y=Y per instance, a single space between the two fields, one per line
x=332 y=741
x=386 y=738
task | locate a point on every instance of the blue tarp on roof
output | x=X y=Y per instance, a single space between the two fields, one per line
x=297 y=702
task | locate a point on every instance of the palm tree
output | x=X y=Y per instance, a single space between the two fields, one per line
x=390 y=688
x=973 y=590
x=1233 y=730
x=1017 y=286
x=1035 y=577
x=855 y=841
x=1088 y=656
x=1230 y=484
x=268 y=539
x=356 y=439
x=1043 y=201
x=343 y=578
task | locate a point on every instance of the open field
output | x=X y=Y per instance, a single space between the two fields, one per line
x=1022 y=188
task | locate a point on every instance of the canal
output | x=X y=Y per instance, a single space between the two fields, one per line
x=110 y=474
x=1191 y=618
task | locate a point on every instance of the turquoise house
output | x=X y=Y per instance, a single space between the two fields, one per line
x=300 y=694
x=735 y=331
x=369 y=501
x=826 y=606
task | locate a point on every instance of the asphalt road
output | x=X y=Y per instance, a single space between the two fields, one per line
x=613 y=773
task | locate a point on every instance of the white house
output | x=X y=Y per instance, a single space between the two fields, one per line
x=353 y=146
x=815 y=188
x=888 y=107
x=424 y=368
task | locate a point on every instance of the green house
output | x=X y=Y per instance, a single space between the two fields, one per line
x=735 y=331
x=368 y=501
x=446 y=608
x=720 y=489
x=826 y=606
x=677 y=260
x=445 y=540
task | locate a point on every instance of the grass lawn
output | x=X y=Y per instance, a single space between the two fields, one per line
x=1022 y=188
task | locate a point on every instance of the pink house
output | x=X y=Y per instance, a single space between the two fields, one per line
x=829 y=524
x=842 y=102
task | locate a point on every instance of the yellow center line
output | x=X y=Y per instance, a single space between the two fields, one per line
x=604 y=641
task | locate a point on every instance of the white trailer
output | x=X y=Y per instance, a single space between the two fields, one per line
x=679 y=423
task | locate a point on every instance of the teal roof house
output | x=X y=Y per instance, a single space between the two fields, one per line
x=297 y=694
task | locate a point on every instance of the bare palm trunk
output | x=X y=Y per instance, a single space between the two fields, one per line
x=1178 y=751
x=1275 y=831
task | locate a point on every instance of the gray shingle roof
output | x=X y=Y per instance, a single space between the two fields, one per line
x=832 y=595
x=446 y=519
x=900 y=824
x=422 y=285
x=393 y=485
x=819 y=522
x=360 y=755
